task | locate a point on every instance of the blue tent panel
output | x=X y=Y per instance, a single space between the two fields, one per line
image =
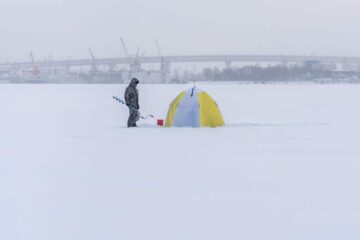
x=187 y=112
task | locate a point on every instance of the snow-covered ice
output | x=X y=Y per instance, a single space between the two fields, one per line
x=286 y=166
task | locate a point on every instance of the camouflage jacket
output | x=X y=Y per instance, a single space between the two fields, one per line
x=132 y=95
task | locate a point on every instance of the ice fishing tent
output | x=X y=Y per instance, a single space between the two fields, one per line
x=194 y=108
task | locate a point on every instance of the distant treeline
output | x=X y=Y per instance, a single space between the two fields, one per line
x=271 y=73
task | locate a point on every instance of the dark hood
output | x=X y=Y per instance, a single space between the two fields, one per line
x=134 y=82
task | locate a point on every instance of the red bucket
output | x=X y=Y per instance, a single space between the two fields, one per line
x=160 y=122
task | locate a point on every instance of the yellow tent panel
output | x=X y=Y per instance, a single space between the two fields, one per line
x=210 y=115
x=172 y=109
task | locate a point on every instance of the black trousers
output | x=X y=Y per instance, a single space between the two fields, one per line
x=134 y=116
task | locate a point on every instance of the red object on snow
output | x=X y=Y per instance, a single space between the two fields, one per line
x=160 y=122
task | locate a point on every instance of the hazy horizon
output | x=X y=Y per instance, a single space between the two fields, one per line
x=67 y=28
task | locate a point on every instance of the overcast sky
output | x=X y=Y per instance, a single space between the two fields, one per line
x=66 y=28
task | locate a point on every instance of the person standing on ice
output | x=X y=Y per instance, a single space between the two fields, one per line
x=132 y=101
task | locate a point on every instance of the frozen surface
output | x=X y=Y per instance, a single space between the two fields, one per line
x=287 y=166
